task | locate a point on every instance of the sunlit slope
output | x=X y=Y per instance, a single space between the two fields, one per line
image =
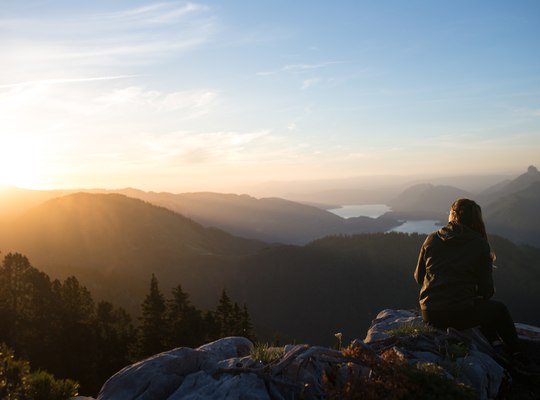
x=15 y=201
x=104 y=235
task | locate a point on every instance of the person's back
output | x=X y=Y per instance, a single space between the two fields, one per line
x=454 y=270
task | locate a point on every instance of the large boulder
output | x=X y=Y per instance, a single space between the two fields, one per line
x=160 y=376
x=464 y=355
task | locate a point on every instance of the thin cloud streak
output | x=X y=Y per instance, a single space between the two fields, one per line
x=66 y=80
x=110 y=42
x=297 y=68
x=161 y=13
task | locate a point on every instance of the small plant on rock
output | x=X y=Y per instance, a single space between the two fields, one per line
x=392 y=378
x=266 y=354
x=410 y=328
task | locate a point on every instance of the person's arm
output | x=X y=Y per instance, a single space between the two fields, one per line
x=420 y=270
x=486 y=288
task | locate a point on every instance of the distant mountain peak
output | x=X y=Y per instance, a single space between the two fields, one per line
x=532 y=170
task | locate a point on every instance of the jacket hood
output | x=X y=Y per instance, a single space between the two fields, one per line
x=454 y=231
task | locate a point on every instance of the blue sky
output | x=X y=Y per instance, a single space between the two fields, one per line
x=219 y=95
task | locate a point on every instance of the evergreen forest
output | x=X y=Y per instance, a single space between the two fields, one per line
x=54 y=333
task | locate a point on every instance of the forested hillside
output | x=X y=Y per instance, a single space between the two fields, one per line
x=338 y=284
x=58 y=327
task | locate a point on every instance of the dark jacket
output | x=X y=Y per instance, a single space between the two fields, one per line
x=454 y=268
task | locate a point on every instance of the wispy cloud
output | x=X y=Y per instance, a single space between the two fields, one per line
x=307 y=83
x=160 y=13
x=81 y=44
x=208 y=147
x=65 y=80
x=297 y=68
x=194 y=103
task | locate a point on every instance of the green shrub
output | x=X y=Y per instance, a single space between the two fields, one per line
x=410 y=328
x=13 y=375
x=43 y=386
x=18 y=383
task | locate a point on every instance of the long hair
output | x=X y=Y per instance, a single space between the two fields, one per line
x=468 y=212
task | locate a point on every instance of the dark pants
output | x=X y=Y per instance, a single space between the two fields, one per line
x=492 y=316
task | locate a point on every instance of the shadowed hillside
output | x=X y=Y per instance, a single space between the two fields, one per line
x=516 y=216
x=426 y=201
x=111 y=241
x=509 y=187
x=338 y=284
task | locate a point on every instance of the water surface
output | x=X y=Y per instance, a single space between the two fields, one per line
x=417 y=226
x=361 y=210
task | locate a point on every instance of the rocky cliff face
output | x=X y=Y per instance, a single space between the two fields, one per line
x=399 y=358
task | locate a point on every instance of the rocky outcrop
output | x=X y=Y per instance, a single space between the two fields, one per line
x=464 y=355
x=230 y=368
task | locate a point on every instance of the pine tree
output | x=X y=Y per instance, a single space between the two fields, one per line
x=15 y=296
x=152 y=327
x=246 y=326
x=74 y=337
x=184 y=321
x=224 y=315
x=115 y=337
x=211 y=326
x=236 y=321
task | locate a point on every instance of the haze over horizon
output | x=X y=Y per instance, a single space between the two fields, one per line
x=189 y=96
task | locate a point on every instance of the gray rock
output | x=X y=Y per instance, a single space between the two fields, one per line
x=391 y=319
x=159 y=376
x=238 y=362
x=202 y=386
x=482 y=372
x=154 y=378
x=477 y=369
x=229 y=347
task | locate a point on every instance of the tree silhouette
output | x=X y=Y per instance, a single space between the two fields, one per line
x=115 y=337
x=152 y=327
x=224 y=315
x=184 y=321
x=74 y=334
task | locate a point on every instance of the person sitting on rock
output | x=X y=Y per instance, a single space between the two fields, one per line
x=455 y=270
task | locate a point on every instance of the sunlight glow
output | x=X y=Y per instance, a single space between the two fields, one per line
x=19 y=164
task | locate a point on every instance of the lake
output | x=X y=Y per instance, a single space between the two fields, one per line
x=417 y=226
x=361 y=210
x=376 y=210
